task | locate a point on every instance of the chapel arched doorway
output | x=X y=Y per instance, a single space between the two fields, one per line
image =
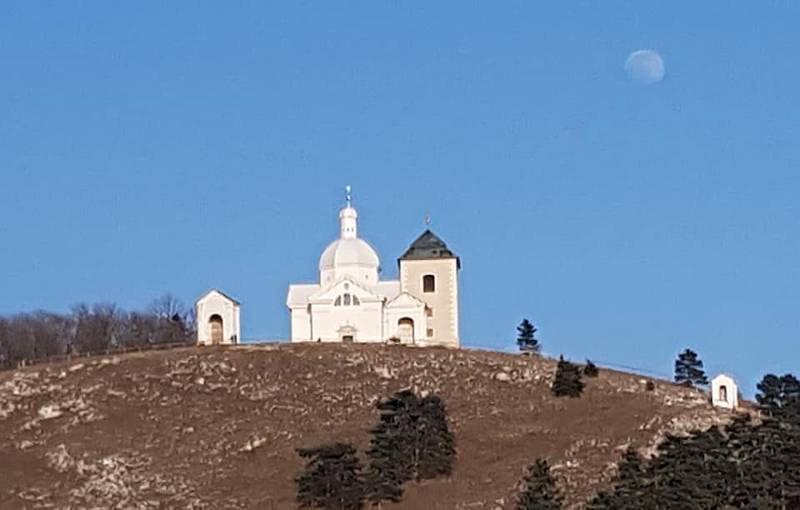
x=723 y=394
x=215 y=329
x=405 y=330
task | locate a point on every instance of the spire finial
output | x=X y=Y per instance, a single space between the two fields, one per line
x=348 y=217
x=427 y=219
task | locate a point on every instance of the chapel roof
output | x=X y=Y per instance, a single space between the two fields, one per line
x=217 y=291
x=299 y=293
x=429 y=246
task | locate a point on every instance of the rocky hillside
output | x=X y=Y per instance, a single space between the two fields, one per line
x=216 y=428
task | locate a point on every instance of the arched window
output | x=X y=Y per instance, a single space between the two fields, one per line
x=428 y=283
x=723 y=393
x=347 y=300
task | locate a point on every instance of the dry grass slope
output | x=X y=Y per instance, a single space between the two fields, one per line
x=216 y=428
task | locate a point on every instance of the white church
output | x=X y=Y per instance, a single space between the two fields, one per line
x=352 y=304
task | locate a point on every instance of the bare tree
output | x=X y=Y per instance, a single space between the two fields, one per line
x=19 y=345
x=168 y=307
x=173 y=320
x=95 y=327
x=92 y=329
x=5 y=362
x=49 y=332
x=190 y=322
x=136 y=330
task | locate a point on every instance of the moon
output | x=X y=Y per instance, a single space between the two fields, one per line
x=645 y=66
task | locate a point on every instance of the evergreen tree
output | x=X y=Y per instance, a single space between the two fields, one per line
x=331 y=478
x=436 y=444
x=412 y=441
x=779 y=396
x=631 y=491
x=526 y=339
x=689 y=369
x=392 y=447
x=567 y=381
x=538 y=489
x=745 y=465
x=590 y=369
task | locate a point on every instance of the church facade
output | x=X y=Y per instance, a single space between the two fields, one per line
x=352 y=304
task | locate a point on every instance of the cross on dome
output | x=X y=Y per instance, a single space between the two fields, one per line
x=348 y=217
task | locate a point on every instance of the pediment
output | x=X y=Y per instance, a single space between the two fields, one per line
x=344 y=286
x=405 y=300
x=215 y=293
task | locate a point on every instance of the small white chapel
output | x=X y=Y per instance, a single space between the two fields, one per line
x=352 y=304
x=217 y=317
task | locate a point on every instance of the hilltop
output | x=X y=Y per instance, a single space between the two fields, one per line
x=217 y=427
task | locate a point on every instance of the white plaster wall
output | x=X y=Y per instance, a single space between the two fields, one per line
x=393 y=315
x=299 y=324
x=444 y=301
x=215 y=303
x=731 y=388
x=367 y=319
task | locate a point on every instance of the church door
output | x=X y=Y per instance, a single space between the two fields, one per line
x=215 y=327
x=347 y=334
x=405 y=330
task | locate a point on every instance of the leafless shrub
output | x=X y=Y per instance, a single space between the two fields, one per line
x=95 y=327
x=92 y=329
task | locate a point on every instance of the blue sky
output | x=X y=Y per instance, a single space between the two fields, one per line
x=149 y=148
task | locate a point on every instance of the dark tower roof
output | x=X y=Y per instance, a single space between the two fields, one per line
x=429 y=246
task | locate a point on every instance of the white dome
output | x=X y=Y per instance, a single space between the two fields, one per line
x=349 y=252
x=348 y=256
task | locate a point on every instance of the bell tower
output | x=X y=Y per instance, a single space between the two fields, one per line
x=429 y=271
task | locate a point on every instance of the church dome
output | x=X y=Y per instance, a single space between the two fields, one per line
x=349 y=256
x=348 y=252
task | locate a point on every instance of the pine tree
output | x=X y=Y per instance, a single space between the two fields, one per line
x=412 y=441
x=689 y=369
x=539 y=490
x=526 y=339
x=770 y=394
x=392 y=447
x=436 y=444
x=631 y=491
x=331 y=478
x=567 y=381
x=590 y=369
x=747 y=465
x=779 y=396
